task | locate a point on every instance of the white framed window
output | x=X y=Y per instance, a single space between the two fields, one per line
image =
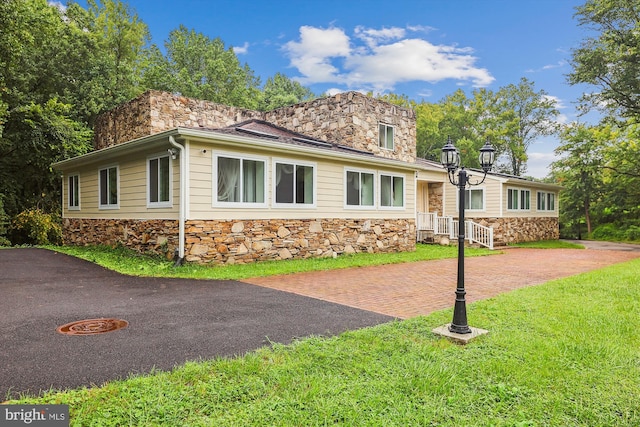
x=294 y=183
x=159 y=181
x=546 y=201
x=385 y=136
x=473 y=199
x=518 y=199
x=239 y=181
x=359 y=188
x=73 y=192
x=108 y=184
x=391 y=191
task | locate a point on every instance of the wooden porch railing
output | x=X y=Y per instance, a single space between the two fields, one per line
x=446 y=225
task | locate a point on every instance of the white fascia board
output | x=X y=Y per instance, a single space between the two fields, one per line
x=244 y=141
x=516 y=182
x=162 y=139
x=139 y=144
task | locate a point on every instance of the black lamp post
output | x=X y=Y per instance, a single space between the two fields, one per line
x=450 y=159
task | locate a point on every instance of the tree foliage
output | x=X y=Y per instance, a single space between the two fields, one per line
x=41 y=54
x=598 y=164
x=511 y=118
x=597 y=167
x=120 y=38
x=610 y=59
x=62 y=66
x=526 y=116
x=280 y=91
x=579 y=171
x=200 y=67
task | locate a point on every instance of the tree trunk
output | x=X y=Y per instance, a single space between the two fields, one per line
x=587 y=218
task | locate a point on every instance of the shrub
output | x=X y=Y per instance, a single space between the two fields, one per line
x=607 y=232
x=632 y=233
x=34 y=227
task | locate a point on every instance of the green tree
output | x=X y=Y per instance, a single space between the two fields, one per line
x=120 y=38
x=621 y=198
x=429 y=138
x=200 y=67
x=611 y=59
x=579 y=170
x=463 y=119
x=520 y=116
x=280 y=91
x=40 y=52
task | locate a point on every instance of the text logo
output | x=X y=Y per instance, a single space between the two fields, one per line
x=34 y=415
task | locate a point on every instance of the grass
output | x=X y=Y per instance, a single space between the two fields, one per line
x=131 y=263
x=565 y=353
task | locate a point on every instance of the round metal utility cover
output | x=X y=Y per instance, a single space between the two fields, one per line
x=92 y=326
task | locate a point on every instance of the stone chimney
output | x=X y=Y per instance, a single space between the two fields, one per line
x=350 y=119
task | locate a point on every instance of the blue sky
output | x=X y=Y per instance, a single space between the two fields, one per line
x=425 y=49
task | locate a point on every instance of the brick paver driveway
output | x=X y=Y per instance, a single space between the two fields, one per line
x=413 y=289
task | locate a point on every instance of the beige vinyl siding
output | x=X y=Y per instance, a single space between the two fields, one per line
x=533 y=206
x=496 y=196
x=200 y=185
x=544 y=213
x=132 y=193
x=329 y=202
x=491 y=188
x=433 y=176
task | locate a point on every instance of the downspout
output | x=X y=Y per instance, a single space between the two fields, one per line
x=179 y=259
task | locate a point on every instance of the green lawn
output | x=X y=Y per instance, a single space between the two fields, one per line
x=566 y=353
x=128 y=262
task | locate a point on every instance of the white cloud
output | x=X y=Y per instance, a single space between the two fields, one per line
x=333 y=91
x=558 y=64
x=420 y=28
x=538 y=164
x=378 y=59
x=61 y=7
x=558 y=102
x=241 y=50
x=560 y=105
x=373 y=37
x=313 y=53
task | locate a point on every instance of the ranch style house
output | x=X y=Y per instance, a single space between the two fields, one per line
x=209 y=183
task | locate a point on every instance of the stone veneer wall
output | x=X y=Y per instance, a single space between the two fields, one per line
x=351 y=119
x=155 y=111
x=513 y=230
x=436 y=195
x=228 y=242
x=157 y=236
x=516 y=230
x=348 y=118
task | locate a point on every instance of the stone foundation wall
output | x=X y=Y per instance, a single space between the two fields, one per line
x=348 y=118
x=508 y=231
x=229 y=242
x=516 y=230
x=144 y=236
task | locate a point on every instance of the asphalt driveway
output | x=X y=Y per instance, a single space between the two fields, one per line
x=171 y=321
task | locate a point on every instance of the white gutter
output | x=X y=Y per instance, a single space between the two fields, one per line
x=183 y=196
x=248 y=141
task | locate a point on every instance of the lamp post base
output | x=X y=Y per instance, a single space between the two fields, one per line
x=459 y=329
x=445 y=331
